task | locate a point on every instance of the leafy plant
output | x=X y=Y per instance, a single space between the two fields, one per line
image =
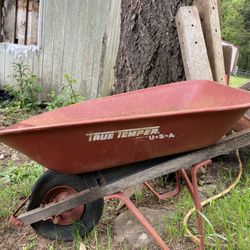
x=26 y=94
x=16 y=174
x=16 y=182
x=68 y=95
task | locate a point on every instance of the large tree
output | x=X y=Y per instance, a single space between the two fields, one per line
x=149 y=52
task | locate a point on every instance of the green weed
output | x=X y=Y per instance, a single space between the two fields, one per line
x=23 y=101
x=68 y=95
x=16 y=182
x=26 y=93
x=173 y=224
x=139 y=196
x=12 y=113
x=226 y=221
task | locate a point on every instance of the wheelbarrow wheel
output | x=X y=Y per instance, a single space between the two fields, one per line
x=79 y=221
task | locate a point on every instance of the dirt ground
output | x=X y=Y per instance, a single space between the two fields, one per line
x=25 y=237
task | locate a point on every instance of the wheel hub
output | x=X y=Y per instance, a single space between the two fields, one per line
x=58 y=194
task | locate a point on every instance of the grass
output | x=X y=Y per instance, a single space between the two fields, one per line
x=226 y=221
x=16 y=183
x=230 y=217
x=237 y=81
x=174 y=227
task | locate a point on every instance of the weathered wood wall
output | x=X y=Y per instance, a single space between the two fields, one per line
x=79 y=37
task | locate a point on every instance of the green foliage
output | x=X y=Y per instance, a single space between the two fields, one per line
x=16 y=182
x=68 y=95
x=26 y=93
x=18 y=174
x=12 y=113
x=235 y=27
x=230 y=218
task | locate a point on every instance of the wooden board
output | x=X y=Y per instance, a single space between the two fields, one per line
x=32 y=22
x=21 y=21
x=192 y=43
x=225 y=146
x=1 y=24
x=210 y=21
x=227 y=53
x=9 y=21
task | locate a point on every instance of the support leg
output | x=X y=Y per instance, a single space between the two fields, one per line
x=169 y=194
x=140 y=218
x=193 y=189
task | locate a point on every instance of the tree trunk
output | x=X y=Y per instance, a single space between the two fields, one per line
x=149 y=52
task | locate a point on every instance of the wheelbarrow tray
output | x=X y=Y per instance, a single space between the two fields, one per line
x=131 y=127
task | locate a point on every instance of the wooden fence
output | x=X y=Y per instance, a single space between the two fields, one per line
x=79 y=37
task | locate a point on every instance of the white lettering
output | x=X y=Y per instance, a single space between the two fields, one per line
x=151 y=133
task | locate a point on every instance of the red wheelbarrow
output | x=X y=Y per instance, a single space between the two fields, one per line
x=85 y=144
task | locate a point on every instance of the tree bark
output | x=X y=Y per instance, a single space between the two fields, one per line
x=149 y=52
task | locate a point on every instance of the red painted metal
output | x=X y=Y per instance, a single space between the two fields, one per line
x=68 y=217
x=169 y=194
x=227 y=79
x=130 y=127
x=192 y=185
x=13 y=220
x=138 y=215
x=242 y=124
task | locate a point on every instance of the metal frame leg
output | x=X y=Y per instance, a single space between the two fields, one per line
x=169 y=194
x=132 y=208
x=192 y=186
x=193 y=189
x=13 y=220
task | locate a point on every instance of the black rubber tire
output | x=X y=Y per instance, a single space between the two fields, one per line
x=91 y=215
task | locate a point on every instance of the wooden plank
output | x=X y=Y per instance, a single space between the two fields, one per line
x=32 y=25
x=219 y=7
x=89 y=51
x=59 y=23
x=210 y=21
x=21 y=22
x=69 y=39
x=192 y=43
x=47 y=44
x=110 y=44
x=9 y=21
x=227 y=53
x=226 y=145
x=2 y=64
x=101 y=13
x=1 y=20
x=8 y=66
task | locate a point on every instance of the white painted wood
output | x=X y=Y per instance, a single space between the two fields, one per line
x=2 y=60
x=70 y=40
x=47 y=48
x=192 y=43
x=210 y=21
x=80 y=50
x=112 y=34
